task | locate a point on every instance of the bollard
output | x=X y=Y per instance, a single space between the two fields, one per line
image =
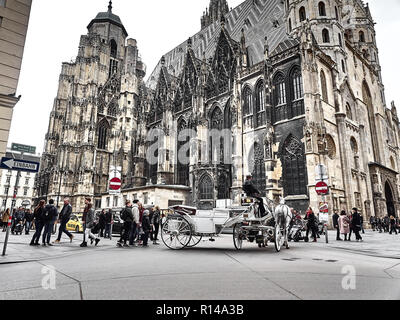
x=7 y=236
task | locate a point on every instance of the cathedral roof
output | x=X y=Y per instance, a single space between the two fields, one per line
x=259 y=19
x=108 y=17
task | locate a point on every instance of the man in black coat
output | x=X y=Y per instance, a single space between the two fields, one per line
x=50 y=218
x=127 y=217
x=65 y=216
x=356 y=224
x=251 y=191
x=108 y=218
x=335 y=220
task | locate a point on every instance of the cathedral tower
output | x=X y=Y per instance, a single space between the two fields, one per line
x=216 y=9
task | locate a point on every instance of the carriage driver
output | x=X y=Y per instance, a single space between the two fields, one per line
x=251 y=191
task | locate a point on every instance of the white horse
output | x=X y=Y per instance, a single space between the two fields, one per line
x=283 y=216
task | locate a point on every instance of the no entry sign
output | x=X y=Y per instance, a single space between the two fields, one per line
x=115 y=184
x=322 y=188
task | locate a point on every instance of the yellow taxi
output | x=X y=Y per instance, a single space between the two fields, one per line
x=75 y=223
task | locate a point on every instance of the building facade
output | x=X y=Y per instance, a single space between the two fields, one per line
x=14 y=19
x=292 y=85
x=26 y=184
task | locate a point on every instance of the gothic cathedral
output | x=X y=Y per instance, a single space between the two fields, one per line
x=295 y=83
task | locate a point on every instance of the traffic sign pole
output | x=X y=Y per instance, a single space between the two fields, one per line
x=13 y=203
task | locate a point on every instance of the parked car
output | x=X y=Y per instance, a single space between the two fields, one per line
x=75 y=223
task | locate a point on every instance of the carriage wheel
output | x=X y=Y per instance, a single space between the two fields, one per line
x=238 y=237
x=194 y=241
x=176 y=233
x=279 y=238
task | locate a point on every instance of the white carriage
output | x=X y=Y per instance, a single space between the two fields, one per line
x=187 y=226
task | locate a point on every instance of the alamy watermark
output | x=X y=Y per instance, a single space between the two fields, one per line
x=349 y=281
x=49 y=278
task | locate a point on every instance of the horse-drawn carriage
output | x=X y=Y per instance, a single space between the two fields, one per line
x=187 y=226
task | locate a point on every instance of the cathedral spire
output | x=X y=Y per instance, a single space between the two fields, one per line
x=216 y=10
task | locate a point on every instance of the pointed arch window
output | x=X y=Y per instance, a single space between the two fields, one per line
x=297 y=104
x=103 y=133
x=259 y=175
x=183 y=157
x=260 y=105
x=223 y=189
x=322 y=9
x=349 y=113
x=367 y=99
x=153 y=167
x=280 y=98
x=294 y=167
x=325 y=36
x=248 y=107
x=114 y=48
x=206 y=188
x=112 y=109
x=217 y=147
x=336 y=13
x=324 y=87
x=302 y=14
x=340 y=40
x=361 y=36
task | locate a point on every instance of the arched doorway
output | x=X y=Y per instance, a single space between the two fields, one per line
x=389 y=200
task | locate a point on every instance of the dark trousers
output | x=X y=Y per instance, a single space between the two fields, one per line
x=145 y=237
x=132 y=233
x=357 y=233
x=107 y=232
x=48 y=229
x=314 y=233
x=28 y=225
x=155 y=231
x=38 y=232
x=337 y=233
x=126 y=232
x=63 y=228
x=393 y=228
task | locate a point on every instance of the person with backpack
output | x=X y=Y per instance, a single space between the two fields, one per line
x=127 y=218
x=50 y=218
x=135 y=222
x=38 y=217
x=344 y=225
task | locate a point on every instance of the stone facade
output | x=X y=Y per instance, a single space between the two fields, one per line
x=295 y=84
x=14 y=19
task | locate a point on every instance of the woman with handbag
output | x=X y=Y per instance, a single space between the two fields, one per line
x=344 y=225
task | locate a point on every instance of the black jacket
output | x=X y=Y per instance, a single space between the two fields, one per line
x=65 y=214
x=28 y=217
x=356 y=221
x=108 y=216
x=250 y=189
x=146 y=224
x=335 y=220
x=50 y=213
x=102 y=221
x=38 y=215
x=128 y=214
x=155 y=220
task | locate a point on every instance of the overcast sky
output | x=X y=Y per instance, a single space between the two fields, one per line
x=56 y=26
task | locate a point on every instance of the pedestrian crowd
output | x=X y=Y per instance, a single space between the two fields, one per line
x=347 y=224
x=139 y=223
x=387 y=224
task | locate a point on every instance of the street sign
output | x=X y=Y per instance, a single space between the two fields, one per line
x=324 y=207
x=321 y=173
x=23 y=148
x=21 y=165
x=322 y=188
x=115 y=184
x=26 y=203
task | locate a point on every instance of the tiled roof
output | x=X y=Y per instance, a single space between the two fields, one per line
x=259 y=18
